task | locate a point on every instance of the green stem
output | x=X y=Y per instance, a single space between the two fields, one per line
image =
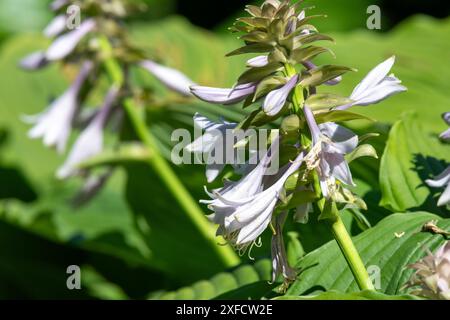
x=162 y=168
x=351 y=255
x=340 y=233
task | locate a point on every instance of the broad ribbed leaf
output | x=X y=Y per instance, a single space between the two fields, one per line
x=412 y=155
x=394 y=243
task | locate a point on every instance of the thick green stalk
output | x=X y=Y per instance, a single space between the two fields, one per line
x=162 y=168
x=340 y=233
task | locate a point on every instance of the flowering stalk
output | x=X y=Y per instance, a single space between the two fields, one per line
x=282 y=84
x=102 y=48
x=338 y=228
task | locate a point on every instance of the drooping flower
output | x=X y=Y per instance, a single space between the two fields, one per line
x=445 y=136
x=224 y=96
x=212 y=141
x=443 y=180
x=90 y=141
x=172 y=78
x=331 y=143
x=276 y=99
x=431 y=278
x=58 y=4
x=376 y=86
x=243 y=209
x=65 y=44
x=55 y=124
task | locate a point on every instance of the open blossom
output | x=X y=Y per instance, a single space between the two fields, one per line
x=243 y=209
x=55 y=124
x=212 y=141
x=376 y=86
x=90 y=141
x=331 y=143
x=431 y=278
x=171 y=78
x=224 y=96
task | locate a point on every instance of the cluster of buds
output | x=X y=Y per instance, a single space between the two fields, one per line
x=80 y=46
x=443 y=180
x=283 y=86
x=431 y=278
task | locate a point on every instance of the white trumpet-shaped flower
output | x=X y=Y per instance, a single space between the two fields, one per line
x=446 y=134
x=54 y=125
x=65 y=44
x=243 y=209
x=224 y=96
x=171 y=78
x=258 y=62
x=90 y=141
x=213 y=140
x=376 y=86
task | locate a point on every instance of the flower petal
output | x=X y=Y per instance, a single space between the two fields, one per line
x=171 y=78
x=224 y=96
x=56 y=26
x=375 y=76
x=65 y=44
x=445 y=197
x=441 y=180
x=258 y=62
x=344 y=140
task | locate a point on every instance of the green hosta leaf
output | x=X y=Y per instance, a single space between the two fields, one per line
x=412 y=155
x=323 y=74
x=326 y=269
x=308 y=53
x=365 y=150
x=363 y=295
x=245 y=282
x=256 y=74
x=339 y=116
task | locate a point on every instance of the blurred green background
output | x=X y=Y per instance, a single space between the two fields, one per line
x=133 y=247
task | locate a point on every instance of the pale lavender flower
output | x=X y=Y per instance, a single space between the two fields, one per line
x=243 y=209
x=224 y=96
x=280 y=264
x=90 y=141
x=445 y=136
x=65 y=44
x=171 y=78
x=331 y=143
x=34 y=61
x=258 y=62
x=55 y=124
x=276 y=99
x=443 y=180
x=56 y=26
x=376 y=86
x=212 y=141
